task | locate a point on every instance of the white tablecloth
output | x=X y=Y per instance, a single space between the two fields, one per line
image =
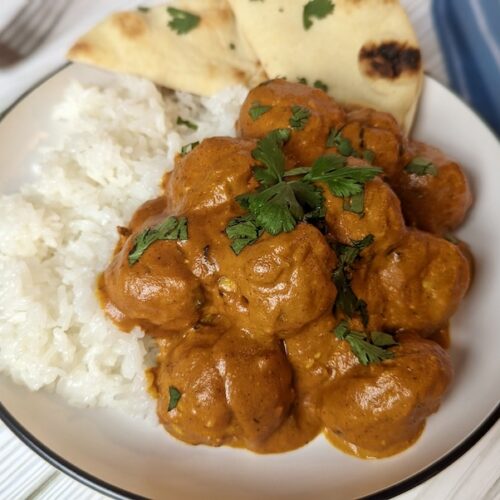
x=23 y=475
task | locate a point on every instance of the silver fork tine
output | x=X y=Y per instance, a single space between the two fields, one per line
x=30 y=9
x=43 y=30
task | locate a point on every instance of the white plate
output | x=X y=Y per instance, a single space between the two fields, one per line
x=122 y=457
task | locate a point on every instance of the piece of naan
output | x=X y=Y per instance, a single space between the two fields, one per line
x=365 y=51
x=203 y=60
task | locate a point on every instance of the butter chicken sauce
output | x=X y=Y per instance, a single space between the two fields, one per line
x=248 y=356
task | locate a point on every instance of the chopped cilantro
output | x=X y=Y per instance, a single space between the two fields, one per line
x=368 y=348
x=257 y=110
x=421 y=166
x=318 y=9
x=187 y=123
x=320 y=85
x=181 y=21
x=174 y=395
x=299 y=117
x=188 y=148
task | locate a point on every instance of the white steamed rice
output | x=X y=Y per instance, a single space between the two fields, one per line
x=57 y=234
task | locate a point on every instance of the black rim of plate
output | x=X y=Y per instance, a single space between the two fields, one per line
x=116 y=492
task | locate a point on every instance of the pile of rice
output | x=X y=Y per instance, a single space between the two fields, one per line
x=107 y=156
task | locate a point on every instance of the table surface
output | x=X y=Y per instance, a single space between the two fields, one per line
x=24 y=475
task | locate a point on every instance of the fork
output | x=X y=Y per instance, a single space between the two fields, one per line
x=28 y=29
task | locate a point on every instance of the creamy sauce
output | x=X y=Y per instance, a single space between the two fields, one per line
x=247 y=339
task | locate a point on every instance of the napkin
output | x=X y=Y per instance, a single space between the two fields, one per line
x=469 y=34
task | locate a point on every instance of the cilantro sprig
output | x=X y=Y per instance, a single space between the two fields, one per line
x=181 y=21
x=341 y=179
x=172 y=228
x=369 y=347
x=421 y=166
x=243 y=231
x=318 y=9
x=347 y=301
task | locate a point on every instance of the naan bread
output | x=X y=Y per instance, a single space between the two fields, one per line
x=365 y=51
x=208 y=58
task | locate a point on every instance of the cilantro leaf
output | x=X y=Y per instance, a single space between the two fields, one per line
x=187 y=123
x=299 y=118
x=363 y=346
x=269 y=152
x=310 y=198
x=257 y=110
x=172 y=228
x=355 y=203
x=297 y=171
x=318 y=9
x=320 y=85
x=302 y=80
x=342 y=180
x=276 y=208
x=243 y=231
x=188 y=148
x=174 y=395
x=421 y=166
x=343 y=145
x=181 y=21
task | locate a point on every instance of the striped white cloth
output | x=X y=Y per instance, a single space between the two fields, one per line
x=24 y=475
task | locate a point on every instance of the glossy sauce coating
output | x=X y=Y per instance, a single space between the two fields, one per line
x=247 y=340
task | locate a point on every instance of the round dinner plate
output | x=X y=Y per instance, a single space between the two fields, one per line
x=124 y=457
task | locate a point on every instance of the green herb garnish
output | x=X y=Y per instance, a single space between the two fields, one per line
x=368 y=348
x=188 y=148
x=232 y=46
x=336 y=140
x=320 y=85
x=181 y=21
x=174 y=395
x=341 y=179
x=318 y=9
x=243 y=231
x=355 y=203
x=172 y=228
x=187 y=123
x=302 y=80
x=257 y=110
x=141 y=8
x=347 y=301
x=299 y=117
x=368 y=155
x=269 y=153
x=421 y=166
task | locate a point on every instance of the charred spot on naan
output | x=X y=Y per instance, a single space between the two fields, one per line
x=130 y=23
x=389 y=59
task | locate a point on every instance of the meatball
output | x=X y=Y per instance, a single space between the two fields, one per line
x=381 y=408
x=159 y=289
x=278 y=284
x=202 y=414
x=234 y=389
x=258 y=381
x=305 y=144
x=214 y=173
x=434 y=203
x=382 y=217
x=379 y=133
x=416 y=285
